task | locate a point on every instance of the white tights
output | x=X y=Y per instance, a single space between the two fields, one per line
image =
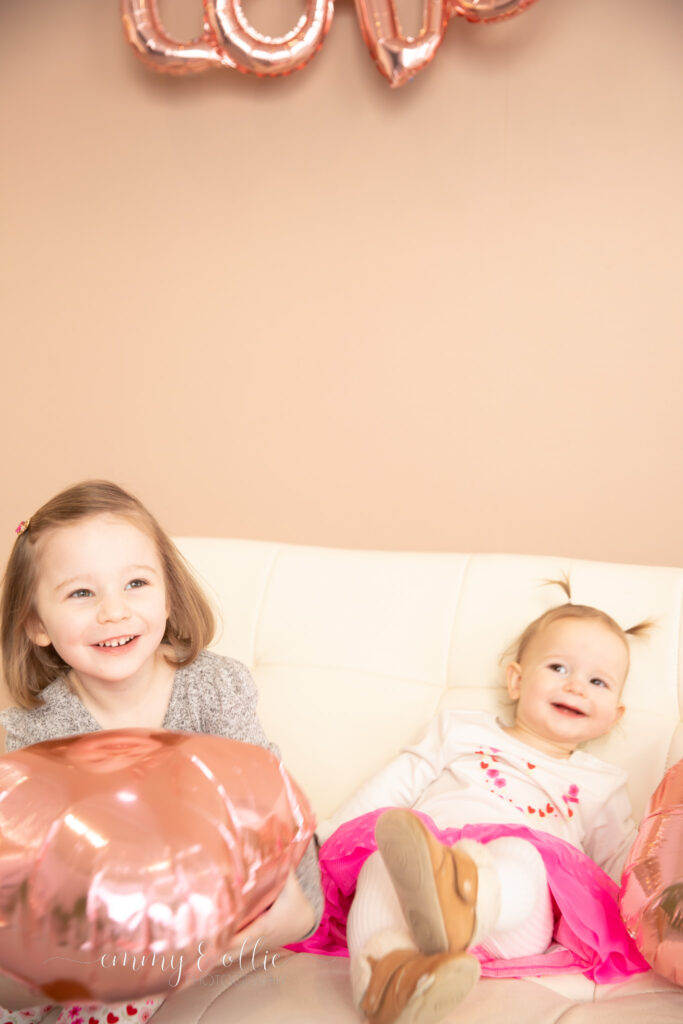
x=514 y=909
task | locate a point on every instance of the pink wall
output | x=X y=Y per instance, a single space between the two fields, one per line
x=319 y=310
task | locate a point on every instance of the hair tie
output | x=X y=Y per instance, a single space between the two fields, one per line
x=22 y=527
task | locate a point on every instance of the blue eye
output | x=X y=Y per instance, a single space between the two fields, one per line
x=81 y=592
x=556 y=667
x=134 y=584
x=598 y=682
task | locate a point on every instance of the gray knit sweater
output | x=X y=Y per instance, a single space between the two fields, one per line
x=213 y=695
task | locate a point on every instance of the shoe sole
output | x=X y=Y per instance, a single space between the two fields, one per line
x=449 y=984
x=405 y=852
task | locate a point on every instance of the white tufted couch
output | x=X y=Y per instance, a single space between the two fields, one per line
x=353 y=653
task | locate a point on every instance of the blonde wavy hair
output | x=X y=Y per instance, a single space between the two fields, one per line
x=28 y=668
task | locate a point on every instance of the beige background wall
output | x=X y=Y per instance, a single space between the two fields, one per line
x=318 y=310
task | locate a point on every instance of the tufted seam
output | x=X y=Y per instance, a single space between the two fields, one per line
x=679 y=663
x=220 y=990
x=458 y=602
x=277 y=554
x=217 y=992
x=569 y=1014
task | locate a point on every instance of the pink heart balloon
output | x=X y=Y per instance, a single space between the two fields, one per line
x=651 y=898
x=122 y=851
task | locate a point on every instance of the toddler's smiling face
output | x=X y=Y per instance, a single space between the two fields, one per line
x=567 y=684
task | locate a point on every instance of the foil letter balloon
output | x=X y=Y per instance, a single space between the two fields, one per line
x=488 y=10
x=250 y=51
x=651 y=897
x=399 y=57
x=147 y=36
x=228 y=40
x=121 y=851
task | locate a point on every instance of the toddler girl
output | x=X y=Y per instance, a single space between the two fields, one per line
x=503 y=814
x=104 y=627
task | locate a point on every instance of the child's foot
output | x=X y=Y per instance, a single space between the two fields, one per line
x=407 y=987
x=436 y=885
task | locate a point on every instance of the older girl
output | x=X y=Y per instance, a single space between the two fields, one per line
x=104 y=627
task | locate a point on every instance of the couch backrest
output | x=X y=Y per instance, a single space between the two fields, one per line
x=353 y=652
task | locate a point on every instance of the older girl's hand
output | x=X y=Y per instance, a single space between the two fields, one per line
x=289 y=918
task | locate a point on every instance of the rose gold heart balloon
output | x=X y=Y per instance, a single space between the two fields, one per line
x=488 y=10
x=129 y=858
x=651 y=898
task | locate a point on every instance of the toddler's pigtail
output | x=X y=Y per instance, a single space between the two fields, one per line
x=641 y=628
x=563 y=583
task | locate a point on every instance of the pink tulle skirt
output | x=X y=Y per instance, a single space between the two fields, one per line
x=589 y=934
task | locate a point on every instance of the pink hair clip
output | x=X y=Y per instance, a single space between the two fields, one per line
x=22 y=527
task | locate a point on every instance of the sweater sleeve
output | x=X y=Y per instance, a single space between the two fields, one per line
x=18 y=732
x=231 y=710
x=60 y=714
x=234 y=716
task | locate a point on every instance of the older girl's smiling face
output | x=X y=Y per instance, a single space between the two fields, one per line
x=567 y=685
x=100 y=599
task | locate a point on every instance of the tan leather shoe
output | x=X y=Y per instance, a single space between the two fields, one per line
x=436 y=885
x=407 y=987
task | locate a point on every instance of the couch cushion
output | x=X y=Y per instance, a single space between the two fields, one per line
x=354 y=651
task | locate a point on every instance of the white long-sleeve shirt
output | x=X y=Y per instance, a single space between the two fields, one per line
x=467 y=769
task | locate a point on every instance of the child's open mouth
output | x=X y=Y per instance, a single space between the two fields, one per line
x=567 y=710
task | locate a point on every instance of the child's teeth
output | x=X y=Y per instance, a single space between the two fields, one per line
x=115 y=643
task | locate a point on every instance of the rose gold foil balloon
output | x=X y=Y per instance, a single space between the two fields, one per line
x=129 y=858
x=399 y=57
x=260 y=54
x=228 y=39
x=487 y=10
x=651 y=897
x=147 y=36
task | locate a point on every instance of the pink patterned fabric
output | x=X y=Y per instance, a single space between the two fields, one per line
x=133 y=1012
x=138 y=1011
x=32 y=1015
x=589 y=935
